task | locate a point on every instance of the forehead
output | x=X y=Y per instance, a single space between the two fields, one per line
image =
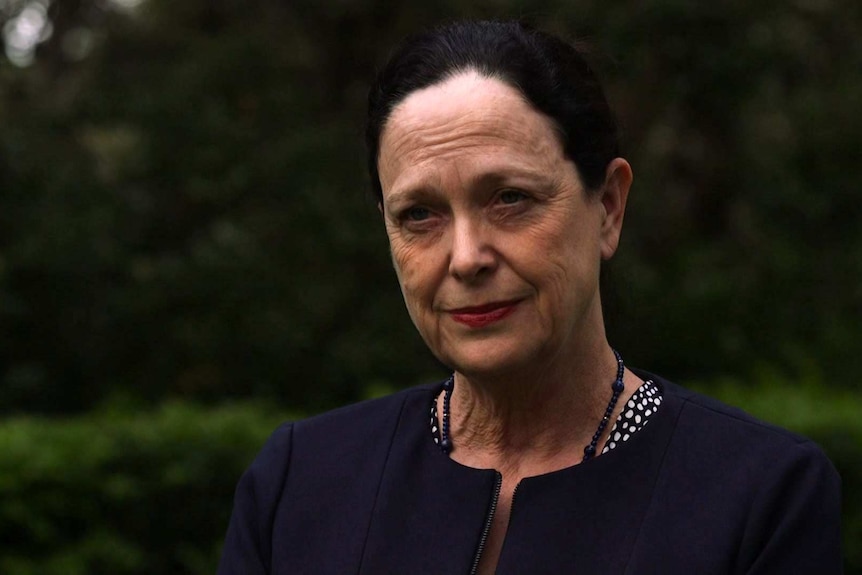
x=468 y=115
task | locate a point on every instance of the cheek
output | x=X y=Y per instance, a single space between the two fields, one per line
x=403 y=253
x=556 y=245
x=408 y=264
x=570 y=259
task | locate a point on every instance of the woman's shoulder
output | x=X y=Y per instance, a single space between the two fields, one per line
x=367 y=411
x=724 y=435
x=364 y=416
x=345 y=432
x=712 y=415
x=728 y=476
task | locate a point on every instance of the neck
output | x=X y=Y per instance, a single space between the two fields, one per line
x=534 y=421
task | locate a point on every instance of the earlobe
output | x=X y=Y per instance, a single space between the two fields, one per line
x=615 y=193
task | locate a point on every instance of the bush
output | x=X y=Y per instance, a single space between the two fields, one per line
x=113 y=493
x=117 y=494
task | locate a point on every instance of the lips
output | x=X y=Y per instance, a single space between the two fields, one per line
x=483 y=315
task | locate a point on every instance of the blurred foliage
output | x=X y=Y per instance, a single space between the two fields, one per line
x=150 y=493
x=183 y=210
x=116 y=493
x=183 y=216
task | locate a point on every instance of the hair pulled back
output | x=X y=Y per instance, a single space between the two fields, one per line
x=551 y=74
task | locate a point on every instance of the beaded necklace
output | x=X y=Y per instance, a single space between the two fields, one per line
x=589 y=451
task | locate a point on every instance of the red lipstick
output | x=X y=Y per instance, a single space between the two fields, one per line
x=482 y=315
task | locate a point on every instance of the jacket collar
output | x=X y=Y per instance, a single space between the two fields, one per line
x=436 y=509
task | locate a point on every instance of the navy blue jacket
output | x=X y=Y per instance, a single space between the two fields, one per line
x=703 y=489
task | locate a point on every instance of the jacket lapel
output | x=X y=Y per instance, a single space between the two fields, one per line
x=588 y=516
x=430 y=510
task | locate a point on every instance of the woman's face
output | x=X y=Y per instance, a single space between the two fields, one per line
x=495 y=241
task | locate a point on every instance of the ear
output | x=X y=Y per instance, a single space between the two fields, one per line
x=615 y=192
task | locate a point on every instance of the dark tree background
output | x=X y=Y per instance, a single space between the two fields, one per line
x=189 y=253
x=183 y=207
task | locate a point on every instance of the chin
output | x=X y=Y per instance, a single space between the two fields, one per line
x=489 y=361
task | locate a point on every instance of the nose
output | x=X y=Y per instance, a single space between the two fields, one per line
x=472 y=256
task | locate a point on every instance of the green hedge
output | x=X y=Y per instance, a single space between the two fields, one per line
x=114 y=493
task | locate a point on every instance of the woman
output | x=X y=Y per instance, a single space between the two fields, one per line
x=494 y=158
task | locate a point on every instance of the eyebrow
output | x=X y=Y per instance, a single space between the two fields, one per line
x=410 y=194
x=513 y=174
x=508 y=173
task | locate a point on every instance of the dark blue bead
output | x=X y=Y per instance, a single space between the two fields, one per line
x=445 y=445
x=618 y=386
x=447 y=385
x=590 y=450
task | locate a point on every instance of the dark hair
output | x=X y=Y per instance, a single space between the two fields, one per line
x=552 y=75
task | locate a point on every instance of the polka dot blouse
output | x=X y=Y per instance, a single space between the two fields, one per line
x=636 y=413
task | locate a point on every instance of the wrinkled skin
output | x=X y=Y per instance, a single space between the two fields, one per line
x=481 y=205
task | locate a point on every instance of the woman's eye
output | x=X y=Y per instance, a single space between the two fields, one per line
x=417 y=214
x=512 y=196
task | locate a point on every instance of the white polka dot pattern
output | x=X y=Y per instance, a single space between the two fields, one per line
x=642 y=405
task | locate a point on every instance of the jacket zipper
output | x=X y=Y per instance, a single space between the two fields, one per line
x=512 y=506
x=488 y=520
